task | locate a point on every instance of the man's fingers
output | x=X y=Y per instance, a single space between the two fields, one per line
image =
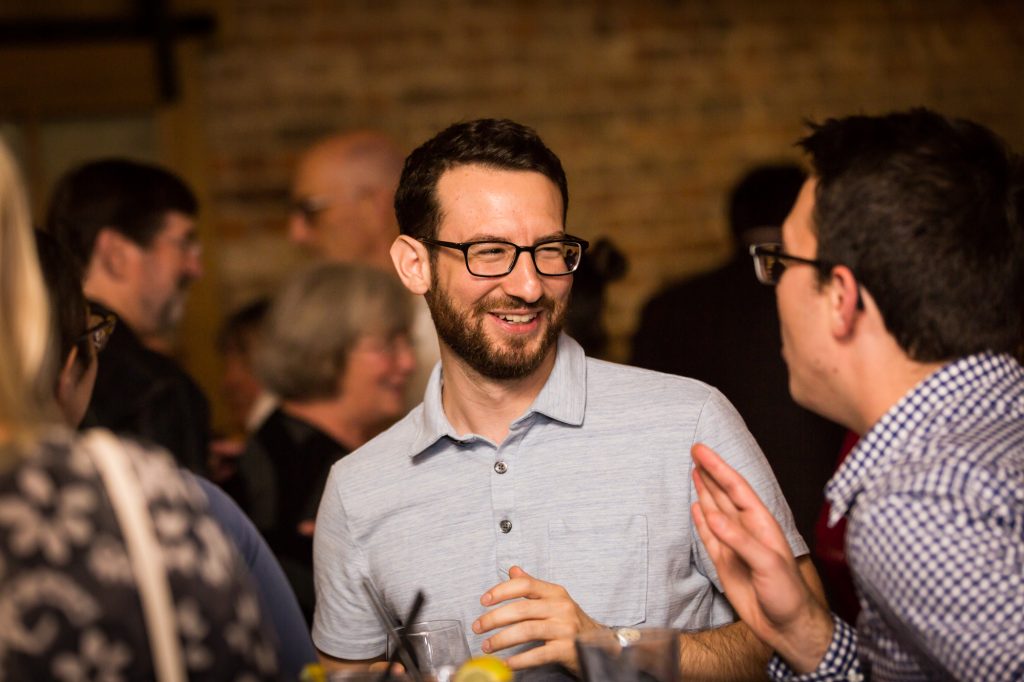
x=733 y=495
x=539 y=630
x=560 y=651
x=518 y=572
x=706 y=535
x=721 y=477
x=520 y=585
x=760 y=558
x=525 y=609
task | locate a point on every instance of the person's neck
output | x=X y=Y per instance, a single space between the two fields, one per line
x=326 y=414
x=881 y=378
x=476 y=404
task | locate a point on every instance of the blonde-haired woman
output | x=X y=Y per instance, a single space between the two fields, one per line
x=109 y=567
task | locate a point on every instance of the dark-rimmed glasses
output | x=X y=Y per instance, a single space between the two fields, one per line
x=492 y=258
x=99 y=334
x=770 y=262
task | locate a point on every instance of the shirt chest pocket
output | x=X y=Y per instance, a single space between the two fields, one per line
x=602 y=562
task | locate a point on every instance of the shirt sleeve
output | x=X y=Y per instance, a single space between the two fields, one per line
x=344 y=625
x=840 y=661
x=295 y=649
x=721 y=428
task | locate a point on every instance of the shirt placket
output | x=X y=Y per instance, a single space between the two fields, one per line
x=503 y=474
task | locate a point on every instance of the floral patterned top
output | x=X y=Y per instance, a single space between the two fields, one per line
x=69 y=606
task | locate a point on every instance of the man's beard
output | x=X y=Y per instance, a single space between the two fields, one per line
x=170 y=314
x=464 y=333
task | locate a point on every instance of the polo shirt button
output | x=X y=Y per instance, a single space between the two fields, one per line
x=506 y=526
x=500 y=467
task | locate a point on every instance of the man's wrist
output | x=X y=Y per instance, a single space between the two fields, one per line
x=806 y=643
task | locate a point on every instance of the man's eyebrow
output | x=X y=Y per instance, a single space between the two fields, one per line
x=487 y=237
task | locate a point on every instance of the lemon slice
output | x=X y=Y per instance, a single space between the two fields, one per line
x=484 y=669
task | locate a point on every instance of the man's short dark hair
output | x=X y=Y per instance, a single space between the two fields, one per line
x=128 y=196
x=926 y=211
x=495 y=143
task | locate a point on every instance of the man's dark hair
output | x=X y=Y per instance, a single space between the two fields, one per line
x=926 y=211
x=67 y=302
x=496 y=143
x=764 y=196
x=128 y=196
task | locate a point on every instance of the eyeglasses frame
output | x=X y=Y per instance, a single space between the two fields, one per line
x=465 y=246
x=757 y=250
x=107 y=325
x=775 y=249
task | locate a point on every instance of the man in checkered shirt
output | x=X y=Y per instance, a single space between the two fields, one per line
x=900 y=288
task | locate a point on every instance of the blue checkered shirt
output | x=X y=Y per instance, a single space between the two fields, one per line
x=934 y=496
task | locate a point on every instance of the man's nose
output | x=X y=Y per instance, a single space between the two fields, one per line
x=524 y=281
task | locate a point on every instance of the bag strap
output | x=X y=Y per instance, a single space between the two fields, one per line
x=144 y=553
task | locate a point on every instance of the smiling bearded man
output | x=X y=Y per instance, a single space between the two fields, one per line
x=522 y=460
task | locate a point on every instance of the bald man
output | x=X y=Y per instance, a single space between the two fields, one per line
x=343 y=198
x=343 y=210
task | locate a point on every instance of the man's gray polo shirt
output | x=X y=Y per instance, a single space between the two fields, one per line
x=591 y=490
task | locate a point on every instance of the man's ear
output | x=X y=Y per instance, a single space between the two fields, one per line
x=844 y=298
x=412 y=261
x=110 y=252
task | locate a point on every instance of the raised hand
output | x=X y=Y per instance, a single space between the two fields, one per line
x=760 y=576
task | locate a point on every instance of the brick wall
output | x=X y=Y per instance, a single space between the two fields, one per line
x=654 y=106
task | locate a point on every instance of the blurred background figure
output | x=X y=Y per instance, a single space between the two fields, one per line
x=131 y=228
x=603 y=264
x=72 y=606
x=343 y=210
x=343 y=198
x=248 y=403
x=335 y=350
x=722 y=328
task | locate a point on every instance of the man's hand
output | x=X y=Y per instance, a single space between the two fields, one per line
x=756 y=566
x=542 y=612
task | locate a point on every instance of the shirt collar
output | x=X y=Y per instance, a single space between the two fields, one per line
x=563 y=398
x=914 y=415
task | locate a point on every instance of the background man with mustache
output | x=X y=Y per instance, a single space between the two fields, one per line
x=526 y=458
x=132 y=228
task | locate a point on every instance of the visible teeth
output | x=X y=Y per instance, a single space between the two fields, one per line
x=518 y=319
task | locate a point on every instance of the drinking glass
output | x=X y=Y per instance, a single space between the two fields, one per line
x=629 y=655
x=438 y=647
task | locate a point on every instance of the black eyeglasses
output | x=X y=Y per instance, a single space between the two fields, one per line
x=308 y=208
x=552 y=257
x=99 y=334
x=770 y=262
